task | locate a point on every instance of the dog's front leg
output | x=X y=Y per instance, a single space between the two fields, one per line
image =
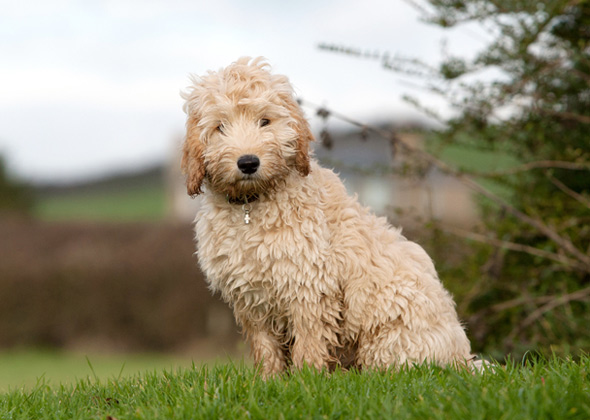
x=267 y=352
x=315 y=322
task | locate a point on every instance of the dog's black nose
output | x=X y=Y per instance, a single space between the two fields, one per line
x=248 y=164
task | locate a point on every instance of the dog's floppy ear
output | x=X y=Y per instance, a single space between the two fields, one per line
x=304 y=137
x=193 y=164
x=300 y=125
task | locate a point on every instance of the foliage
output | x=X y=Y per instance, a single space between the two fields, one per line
x=525 y=94
x=542 y=390
x=15 y=197
x=543 y=52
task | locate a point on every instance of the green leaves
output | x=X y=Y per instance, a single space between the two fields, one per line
x=453 y=68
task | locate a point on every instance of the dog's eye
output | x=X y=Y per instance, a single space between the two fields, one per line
x=264 y=122
x=220 y=128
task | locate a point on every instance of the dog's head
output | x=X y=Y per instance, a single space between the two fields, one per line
x=245 y=131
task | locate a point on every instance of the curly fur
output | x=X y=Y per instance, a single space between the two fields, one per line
x=314 y=275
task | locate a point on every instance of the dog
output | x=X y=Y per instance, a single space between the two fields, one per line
x=309 y=272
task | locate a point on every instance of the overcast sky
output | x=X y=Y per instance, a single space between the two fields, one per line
x=88 y=87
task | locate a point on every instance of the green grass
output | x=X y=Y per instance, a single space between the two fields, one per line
x=477 y=161
x=25 y=368
x=473 y=162
x=142 y=203
x=553 y=389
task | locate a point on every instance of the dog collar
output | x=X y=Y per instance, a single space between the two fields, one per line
x=245 y=201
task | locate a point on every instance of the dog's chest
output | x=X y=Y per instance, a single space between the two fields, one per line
x=257 y=266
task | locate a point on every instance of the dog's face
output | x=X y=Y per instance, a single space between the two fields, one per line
x=245 y=131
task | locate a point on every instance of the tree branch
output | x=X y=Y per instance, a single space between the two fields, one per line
x=553 y=302
x=584 y=119
x=576 y=196
x=540 y=164
x=513 y=246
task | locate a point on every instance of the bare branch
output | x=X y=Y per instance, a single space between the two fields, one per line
x=540 y=164
x=584 y=119
x=554 y=302
x=513 y=246
x=520 y=301
x=576 y=196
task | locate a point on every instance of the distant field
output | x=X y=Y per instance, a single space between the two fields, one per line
x=474 y=161
x=132 y=197
x=143 y=203
x=25 y=368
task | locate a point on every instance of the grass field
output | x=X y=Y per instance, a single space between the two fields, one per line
x=25 y=368
x=140 y=204
x=473 y=162
x=550 y=389
x=143 y=203
x=126 y=197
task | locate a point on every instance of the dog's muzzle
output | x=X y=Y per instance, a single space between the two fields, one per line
x=248 y=164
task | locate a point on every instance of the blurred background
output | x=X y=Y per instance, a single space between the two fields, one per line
x=96 y=248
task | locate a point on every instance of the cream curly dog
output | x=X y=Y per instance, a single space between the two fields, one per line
x=309 y=272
